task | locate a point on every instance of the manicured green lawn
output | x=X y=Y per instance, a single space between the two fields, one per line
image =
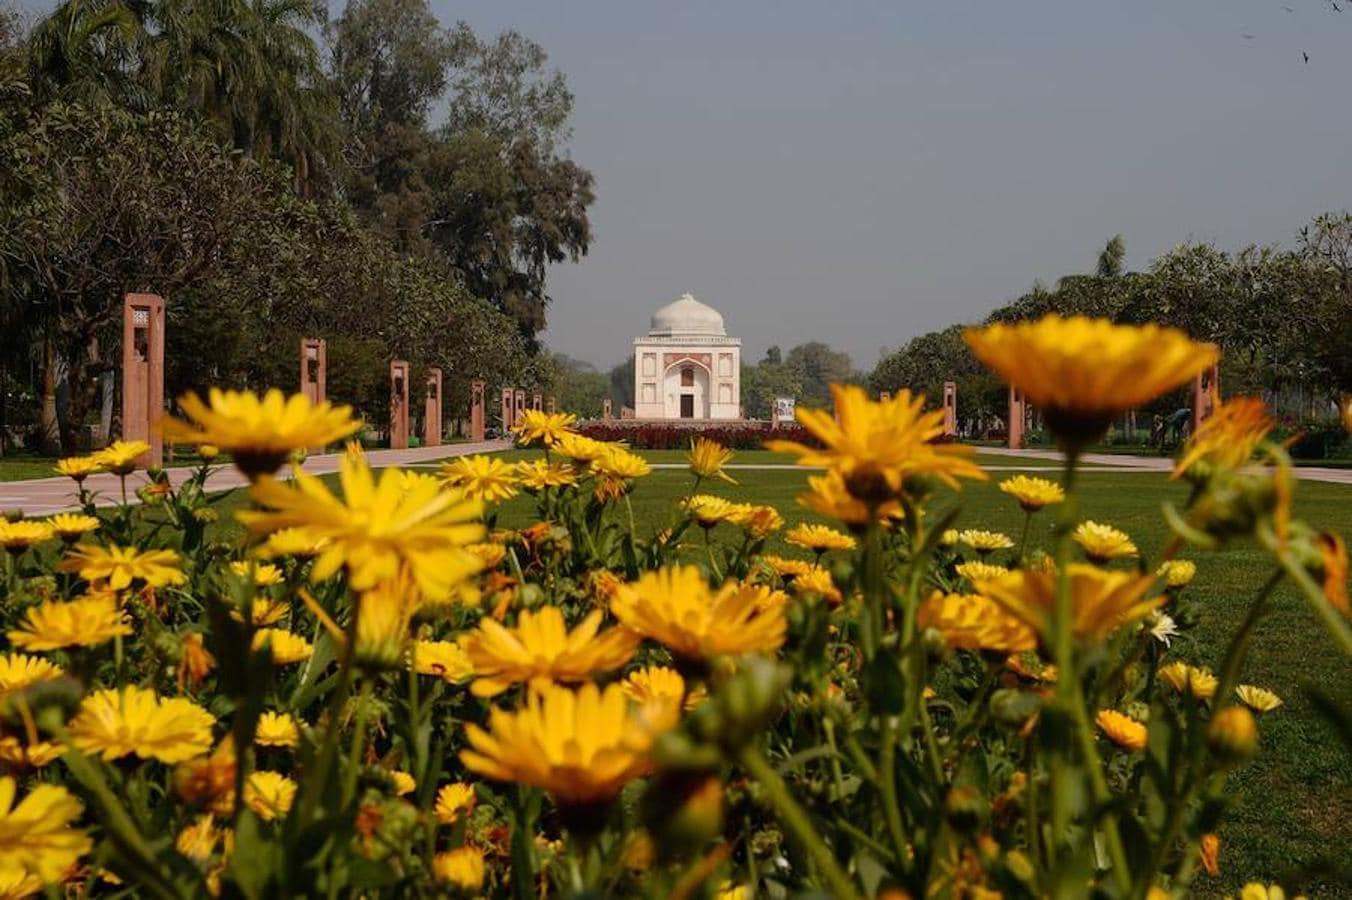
x=20 y=467
x=1293 y=803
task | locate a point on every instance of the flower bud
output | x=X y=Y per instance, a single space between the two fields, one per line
x=965 y=808
x=1233 y=735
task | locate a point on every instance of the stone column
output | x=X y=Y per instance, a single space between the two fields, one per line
x=399 y=404
x=476 y=410
x=950 y=407
x=519 y=406
x=884 y=396
x=537 y=402
x=1016 y=415
x=432 y=409
x=314 y=369
x=508 y=409
x=1206 y=393
x=607 y=409
x=143 y=372
x=551 y=404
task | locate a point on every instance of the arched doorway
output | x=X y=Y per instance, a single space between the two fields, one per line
x=687 y=390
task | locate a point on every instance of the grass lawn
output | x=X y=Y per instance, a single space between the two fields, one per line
x=1293 y=803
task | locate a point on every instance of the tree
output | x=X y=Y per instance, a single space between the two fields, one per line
x=1111 y=259
x=773 y=355
x=761 y=384
x=622 y=384
x=816 y=367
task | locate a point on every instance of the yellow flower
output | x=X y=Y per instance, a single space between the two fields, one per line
x=758 y=520
x=259 y=433
x=976 y=570
x=379 y=529
x=1177 y=572
x=198 y=840
x=615 y=468
x=538 y=428
x=403 y=783
x=120 y=457
x=660 y=686
x=579 y=448
x=265 y=611
x=819 y=538
x=16 y=537
x=540 y=648
x=1333 y=566
x=817 y=580
x=639 y=853
x=19 y=671
x=1033 y=493
x=1260 y=700
x=462 y=867
x=264 y=575
x=454 y=802
x=133 y=720
x=539 y=474
x=120 y=566
x=1232 y=734
x=1210 y=851
x=77 y=467
x=985 y=541
x=287 y=647
x=444 y=659
x=828 y=496
x=79 y=623
x=269 y=794
x=36 y=837
x=1227 y=438
x=1182 y=677
x=877 y=445
x=708 y=510
x=1081 y=373
x=481 y=477
x=787 y=568
x=707 y=459
x=277 y=730
x=70 y=527
x=949 y=538
x=972 y=622
x=580 y=746
x=1257 y=891
x=730 y=891
x=292 y=542
x=1101 y=601
x=676 y=607
x=1122 y=730
x=1103 y=543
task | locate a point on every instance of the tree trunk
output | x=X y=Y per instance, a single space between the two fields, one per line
x=47 y=426
x=82 y=379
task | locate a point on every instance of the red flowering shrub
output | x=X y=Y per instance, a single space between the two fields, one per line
x=672 y=436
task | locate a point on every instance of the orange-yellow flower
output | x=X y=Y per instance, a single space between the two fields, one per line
x=542 y=429
x=1210 y=851
x=707 y=459
x=828 y=496
x=136 y=721
x=1103 y=543
x=37 y=841
x=87 y=622
x=973 y=622
x=16 y=537
x=481 y=477
x=1101 y=601
x=1227 y=438
x=819 y=538
x=1122 y=730
x=454 y=802
x=444 y=659
x=120 y=566
x=269 y=794
x=540 y=648
x=1033 y=493
x=120 y=457
x=1081 y=372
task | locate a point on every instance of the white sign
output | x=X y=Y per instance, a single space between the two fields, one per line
x=783 y=409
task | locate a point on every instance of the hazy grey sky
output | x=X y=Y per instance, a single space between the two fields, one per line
x=862 y=172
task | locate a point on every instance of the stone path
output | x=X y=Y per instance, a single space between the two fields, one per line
x=43 y=496
x=1125 y=463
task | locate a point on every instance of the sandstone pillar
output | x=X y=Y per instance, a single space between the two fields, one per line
x=518 y=406
x=143 y=372
x=399 y=404
x=314 y=368
x=1016 y=418
x=1206 y=393
x=950 y=407
x=432 y=409
x=476 y=410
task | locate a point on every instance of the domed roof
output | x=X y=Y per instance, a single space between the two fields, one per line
x=686 y=315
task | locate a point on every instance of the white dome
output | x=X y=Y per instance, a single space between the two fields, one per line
x=686 y=315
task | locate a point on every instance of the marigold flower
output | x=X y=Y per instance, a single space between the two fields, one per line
x=707 y=459
x=1101 y=601
x=1103 y=543
x=615 y=469
x=1122 y=730
x=276 y=730
x=829 y=497
x=818 y=580
x=540 y=648
x=259 y=433
x=1033 y=493
x=819 y=538
x=198 y=839
x=540 y=474
x=661 y=686
x=292 y=542
x=757 y=520
x=1258 y=699
x=269 y=794
x=787 y=568
x=79 y=623
x=19 y=671
x=287 y=647
x=1182 y=677
x=867 y=441
x=676 y=607
x=36 y=837
x=454 y=802
x=484 y=478
x=1227 y=438
x=1232 y=734
x=542 y=429
x=985 y=541
x=378 y=528
x=1255 y=890
x=579 y=448
x=580 y=746
x=402 y=782
x=16 y=537
x=462 y=867
x=1333 y=566
x=973 y=622
x=77 y=468
x=209 y=781
x=136 y=721
x=70 y=527
x=33 y=755
x=1177 y=573
x=444 y=659
x=1209 y=848
x=264 y=574
x=120 y=566
x=977 y=570
x=120 y=457
x=1029 y=665
x=708 y=510
x=1082 y=372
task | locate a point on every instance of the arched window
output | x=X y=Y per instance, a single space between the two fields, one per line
x=687 y=376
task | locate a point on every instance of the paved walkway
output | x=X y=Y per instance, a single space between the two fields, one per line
x=43 y=496
x=1126 y=463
